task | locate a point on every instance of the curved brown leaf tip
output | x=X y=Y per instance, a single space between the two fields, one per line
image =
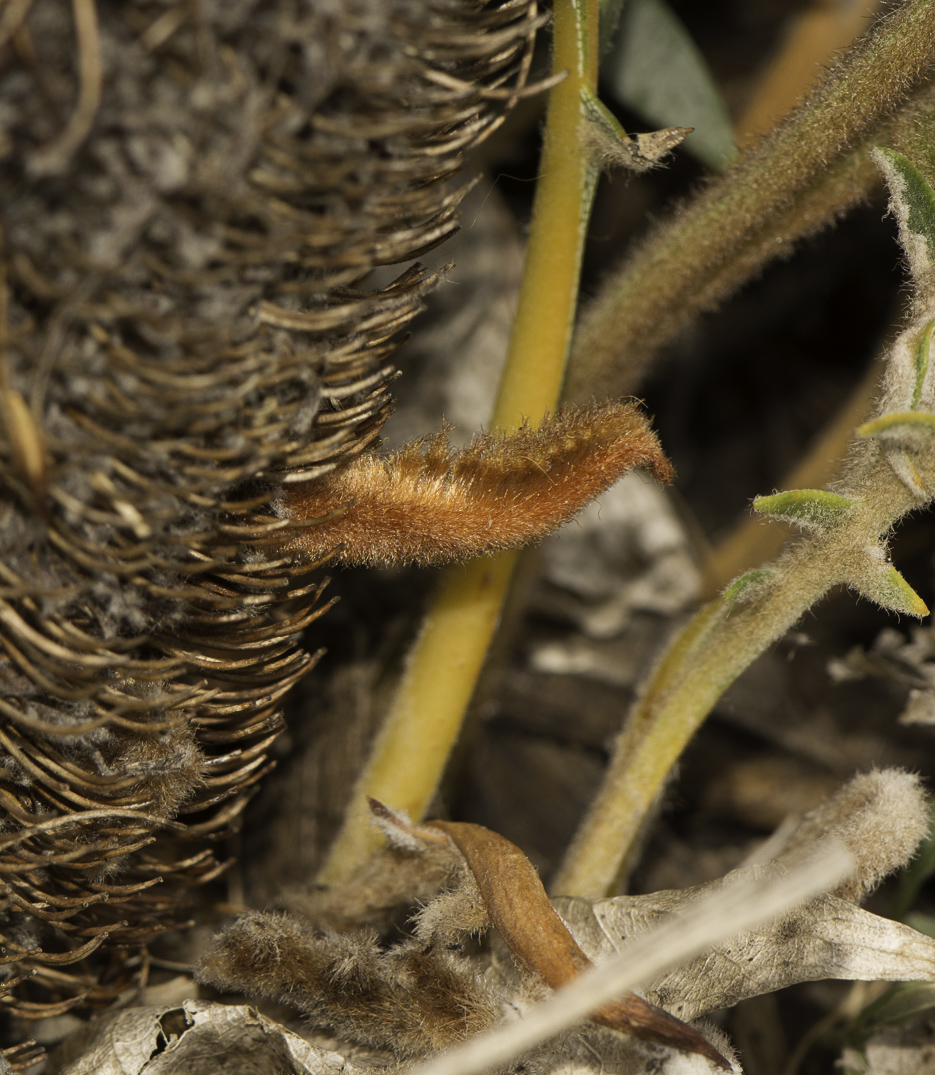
x=634 y=1015
x=428 y=504
x=540 y=941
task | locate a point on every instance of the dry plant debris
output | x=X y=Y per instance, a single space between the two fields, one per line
x=210 y=1039
x=426 y=993
x=195 y=366
x=186 y=328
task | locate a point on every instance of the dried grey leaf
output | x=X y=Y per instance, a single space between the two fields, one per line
x=827 y=937
x=920 y=708
x=904 y=661
x=893 y=656
x=628 y=551
x=740 y=903
x=210 y=1039
x=595 y=1051
x=881 y=817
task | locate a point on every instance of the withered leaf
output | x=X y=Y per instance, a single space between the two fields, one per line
x=594 y=1051
x=427 y=504
x=517 y=904
x=207 y=1038
x=826 y=937
x=540 y=941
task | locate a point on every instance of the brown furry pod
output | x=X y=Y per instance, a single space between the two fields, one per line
x=429 y=505
x=193 y=197
x=410 y=999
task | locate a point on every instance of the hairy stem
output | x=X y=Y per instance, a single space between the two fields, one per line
x=722 y=640
x=774 y=195
x=716 y=646
x=423 y=724
x=891 y=471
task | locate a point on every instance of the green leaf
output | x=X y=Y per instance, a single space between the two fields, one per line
x=883 y=584
x=898 y=424
x=913 y=198
x=656 y=70
x=745 y=585
x=814 y=509
x=921 y=363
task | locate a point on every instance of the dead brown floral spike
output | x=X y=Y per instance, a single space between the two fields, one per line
x=429 y=505
x=187 y=324
x=540 y=941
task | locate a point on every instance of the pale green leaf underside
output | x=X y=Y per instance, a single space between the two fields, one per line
x=899 y=423
x=886 y=587
x=811 y=508
x=917 y=197
x=656 y=70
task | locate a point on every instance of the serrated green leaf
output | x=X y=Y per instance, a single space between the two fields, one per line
x=811 y=508
x=921 y=362
x=916 y=209
x=884 y=585
x=910 y=422
x=742 y=586
x=656 y=70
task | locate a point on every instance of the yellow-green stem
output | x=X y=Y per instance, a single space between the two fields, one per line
x=773 y=196
x=676 y=702
x=545 y=315
x=723 y=639
x=410 y=753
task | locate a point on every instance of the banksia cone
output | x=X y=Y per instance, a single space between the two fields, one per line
x=193 y=197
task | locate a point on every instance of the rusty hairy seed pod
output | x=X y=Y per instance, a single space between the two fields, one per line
x=192 y=199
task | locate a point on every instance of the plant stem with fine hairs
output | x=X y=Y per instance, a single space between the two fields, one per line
x=774 y=195
x=425 y=718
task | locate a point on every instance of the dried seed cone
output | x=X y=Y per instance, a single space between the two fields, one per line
x=192 y=199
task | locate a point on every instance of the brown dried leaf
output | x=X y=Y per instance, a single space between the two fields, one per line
x=514 y=900
x=518 y=906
